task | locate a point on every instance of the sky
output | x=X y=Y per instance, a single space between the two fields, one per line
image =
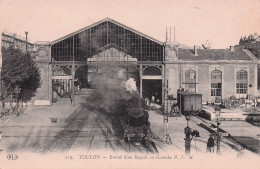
x=221 y=22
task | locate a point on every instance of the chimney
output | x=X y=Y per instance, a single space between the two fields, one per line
x=195 y=50
x=232 y=48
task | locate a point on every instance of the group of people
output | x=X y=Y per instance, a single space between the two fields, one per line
x=154 y=99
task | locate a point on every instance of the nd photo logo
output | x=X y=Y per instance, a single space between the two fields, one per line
x=12 y=156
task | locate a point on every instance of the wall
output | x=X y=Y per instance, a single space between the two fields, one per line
x=203 y=85
x=229 y=81
x=253 y=76
x=42 y=95
x=203 y=73
x=172 y=75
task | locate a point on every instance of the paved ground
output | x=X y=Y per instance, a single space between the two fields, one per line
x=241 y=130
x=84 y=127
x=33 y=129
x=87 y=127
x=176 y=130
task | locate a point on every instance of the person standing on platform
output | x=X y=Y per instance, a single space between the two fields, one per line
x=210 y=144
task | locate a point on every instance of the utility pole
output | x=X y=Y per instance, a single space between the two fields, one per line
x=127 y=66
x=166 y=115
x=166 y=34
x=174 y=34
x=26 y=34
x=170 y=34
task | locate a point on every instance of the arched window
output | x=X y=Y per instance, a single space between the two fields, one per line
x=216 y=74
x=216 y=83
x=190 y=81
x=241 y=82
x=190 y=75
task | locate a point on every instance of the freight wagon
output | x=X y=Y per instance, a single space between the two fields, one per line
x=189 y=103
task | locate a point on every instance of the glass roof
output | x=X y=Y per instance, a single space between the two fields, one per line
x=107 y=34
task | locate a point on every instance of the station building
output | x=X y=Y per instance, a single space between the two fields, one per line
x=11 y=39
x=215 y=73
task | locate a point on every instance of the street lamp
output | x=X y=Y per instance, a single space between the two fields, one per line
x=217 y=112
x=187 y=117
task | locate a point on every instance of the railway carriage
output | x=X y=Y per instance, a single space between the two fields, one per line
x=189 y=103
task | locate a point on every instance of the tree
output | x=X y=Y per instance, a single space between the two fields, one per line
x=18 y=70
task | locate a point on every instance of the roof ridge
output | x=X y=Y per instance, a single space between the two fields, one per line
x=217 y=54
x=250 y=54
x=104 y=20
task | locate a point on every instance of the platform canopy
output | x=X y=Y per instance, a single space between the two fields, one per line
x=103 y=35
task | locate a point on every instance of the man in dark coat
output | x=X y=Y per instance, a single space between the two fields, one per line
x=211 y=144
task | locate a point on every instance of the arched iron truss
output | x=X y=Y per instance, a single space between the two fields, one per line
x=150 y=69
x=64 y=69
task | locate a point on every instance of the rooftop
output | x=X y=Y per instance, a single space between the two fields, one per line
x=213 y=54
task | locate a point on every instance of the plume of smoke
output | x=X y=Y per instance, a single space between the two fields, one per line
x=130 y=85
x=117 y=93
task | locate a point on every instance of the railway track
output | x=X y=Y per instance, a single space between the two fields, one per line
x=121 y=145
x=65 y=138
x=149 y=147
x=226 y=140
x=100 y=127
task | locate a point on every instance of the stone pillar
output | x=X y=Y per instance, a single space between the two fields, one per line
x=171 y=51
x=43 y=59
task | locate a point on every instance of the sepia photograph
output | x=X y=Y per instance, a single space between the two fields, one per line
x=129 y=84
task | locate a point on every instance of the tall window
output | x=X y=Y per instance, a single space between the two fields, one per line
x=216 y=89
x=190 y=81
x=216 y=83
x=241 y=83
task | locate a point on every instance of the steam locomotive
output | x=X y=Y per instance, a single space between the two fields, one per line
x=134 y=118
x=136 y=125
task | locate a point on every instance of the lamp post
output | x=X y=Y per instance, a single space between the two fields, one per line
x=217 y=112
